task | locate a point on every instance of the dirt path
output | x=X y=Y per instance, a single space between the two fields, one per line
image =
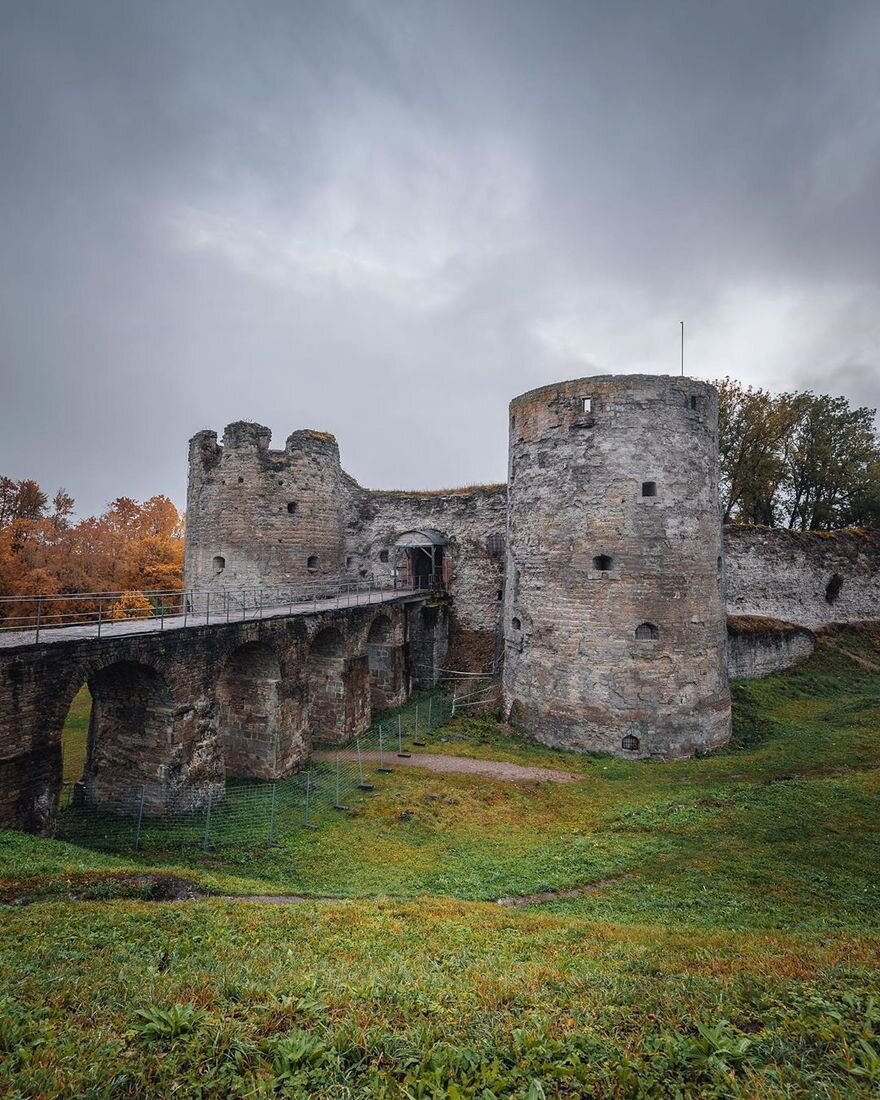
x=459 y=765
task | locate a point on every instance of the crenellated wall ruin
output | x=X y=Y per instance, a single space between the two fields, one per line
x=258 y=517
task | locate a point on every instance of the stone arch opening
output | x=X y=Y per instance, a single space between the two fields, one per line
x=647 y=632
x=74 y=746
x=250 y=711
x=130 y=739
x=422 y=559
x=832 y=589
x=385 y=662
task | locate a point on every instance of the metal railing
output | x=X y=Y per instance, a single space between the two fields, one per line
x=143 y=611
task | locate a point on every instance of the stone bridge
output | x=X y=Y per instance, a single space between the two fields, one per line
x=175 y=712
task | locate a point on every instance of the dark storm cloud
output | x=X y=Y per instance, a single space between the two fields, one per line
x=386 y=219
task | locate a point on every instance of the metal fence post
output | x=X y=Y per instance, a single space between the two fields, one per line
x=337 y=805
x=400 y=751
x=39 y=617
x=270 y=839
x=137 y=834
x=100 y=613
x=206 y=840
x=208 y=609
x=363 y=785
x=381 y=767
x=417 y=740
x=308 y=824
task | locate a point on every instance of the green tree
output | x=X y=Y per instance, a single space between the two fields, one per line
x=832 y=457
x=753 y=428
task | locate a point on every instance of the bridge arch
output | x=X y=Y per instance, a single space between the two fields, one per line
x=250 y=711
x=129 y=752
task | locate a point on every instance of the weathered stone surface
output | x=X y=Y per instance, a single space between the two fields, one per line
x=614 y=533
x=758 y=647
x=811 y=578
x=258 y=517
x=175 y=712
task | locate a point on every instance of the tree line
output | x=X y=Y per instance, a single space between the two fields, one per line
x=132 y=547
x=805 y=461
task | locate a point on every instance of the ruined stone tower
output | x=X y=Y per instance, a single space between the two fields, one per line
x=257 y=516
x=614 y=617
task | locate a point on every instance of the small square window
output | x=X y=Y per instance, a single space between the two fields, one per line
x=586 y=404
x=649 y=488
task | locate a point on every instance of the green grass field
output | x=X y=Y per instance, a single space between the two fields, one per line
x=730 y=945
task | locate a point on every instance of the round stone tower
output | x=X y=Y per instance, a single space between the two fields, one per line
x=614 y=618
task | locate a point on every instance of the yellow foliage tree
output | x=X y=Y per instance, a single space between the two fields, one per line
x=131 y=605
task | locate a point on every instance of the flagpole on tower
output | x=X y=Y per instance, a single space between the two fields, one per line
x=682 y=348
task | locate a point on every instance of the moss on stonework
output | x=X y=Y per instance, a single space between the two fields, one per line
x=744 y=626
x=463 y=491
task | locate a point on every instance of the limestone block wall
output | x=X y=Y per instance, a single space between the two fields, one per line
x=614 y=617
x=811 y=578
x=759 y=647
x=474 y=522
x=261 y=517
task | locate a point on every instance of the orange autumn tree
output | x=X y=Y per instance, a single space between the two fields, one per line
x=133 y=547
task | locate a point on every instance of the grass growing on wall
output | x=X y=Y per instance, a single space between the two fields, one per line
x=728 y=943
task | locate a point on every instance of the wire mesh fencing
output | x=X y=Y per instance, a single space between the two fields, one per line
x=253 y=813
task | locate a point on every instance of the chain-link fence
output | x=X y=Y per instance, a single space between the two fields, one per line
x=251 y=813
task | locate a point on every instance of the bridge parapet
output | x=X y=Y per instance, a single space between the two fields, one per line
x=40 y=618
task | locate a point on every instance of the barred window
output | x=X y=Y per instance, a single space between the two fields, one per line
x=647 y=632
x=630 y=743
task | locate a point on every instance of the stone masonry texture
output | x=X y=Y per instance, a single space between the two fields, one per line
x=599 y=576
x=258 y=517
x=174 y=713
x=614 y=617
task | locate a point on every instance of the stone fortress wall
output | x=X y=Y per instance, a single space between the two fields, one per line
x=811 y=578
x=260 y=517
x=257 y=517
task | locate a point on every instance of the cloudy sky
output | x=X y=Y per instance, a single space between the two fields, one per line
x=385 y=219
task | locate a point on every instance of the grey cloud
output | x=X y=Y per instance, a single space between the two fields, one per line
x=387 y=218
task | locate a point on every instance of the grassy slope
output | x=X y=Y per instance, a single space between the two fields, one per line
x=743 y=887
